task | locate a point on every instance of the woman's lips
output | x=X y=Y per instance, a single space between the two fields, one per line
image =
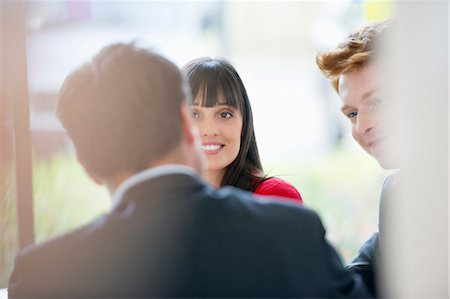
x=212 y=148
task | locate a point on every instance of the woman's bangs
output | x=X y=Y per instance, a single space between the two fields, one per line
x=204 y=89
x=230 y=95
x=211 y=87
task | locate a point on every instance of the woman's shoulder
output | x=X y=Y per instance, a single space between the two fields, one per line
x=278 y=187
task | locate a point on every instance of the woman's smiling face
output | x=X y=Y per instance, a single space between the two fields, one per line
x=220 y=130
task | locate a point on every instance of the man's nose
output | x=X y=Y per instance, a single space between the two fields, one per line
x=365 y=123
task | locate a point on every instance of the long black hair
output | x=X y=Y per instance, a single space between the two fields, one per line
x=212 y=78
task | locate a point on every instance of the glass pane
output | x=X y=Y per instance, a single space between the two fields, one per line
x=301 y=135
x=8 y=221
x=64 y=198
x=8 y=213
x=299 y=129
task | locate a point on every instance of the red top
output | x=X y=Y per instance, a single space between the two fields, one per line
x=279 y=187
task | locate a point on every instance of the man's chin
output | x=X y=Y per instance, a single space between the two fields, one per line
x=387 y=161
x=385 y=154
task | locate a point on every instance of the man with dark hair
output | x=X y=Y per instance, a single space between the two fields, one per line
x=169 y=234
x=352 y=68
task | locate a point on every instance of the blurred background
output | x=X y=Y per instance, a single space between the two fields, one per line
x=301 y=135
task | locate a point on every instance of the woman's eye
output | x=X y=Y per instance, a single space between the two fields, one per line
x=225 y=115
x=194 y=115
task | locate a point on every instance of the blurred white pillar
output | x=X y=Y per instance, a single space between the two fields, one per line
x=415 y=247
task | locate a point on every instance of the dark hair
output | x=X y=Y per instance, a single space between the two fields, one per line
x=213 y=78
x=122 y=110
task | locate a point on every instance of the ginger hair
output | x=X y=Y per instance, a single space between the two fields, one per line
x=354 y=52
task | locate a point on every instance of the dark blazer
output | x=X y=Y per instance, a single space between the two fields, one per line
x=365 y=263
x=368 y=262
x=174 y=236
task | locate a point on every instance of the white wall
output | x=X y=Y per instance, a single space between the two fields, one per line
x=416 y=243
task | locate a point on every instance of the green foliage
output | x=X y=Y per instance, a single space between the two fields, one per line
x=64 y=198
x=8 y=219
x=343 y=188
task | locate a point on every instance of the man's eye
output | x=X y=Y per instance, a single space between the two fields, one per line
x=352 y=114
x=225 y=115
x=374 y=103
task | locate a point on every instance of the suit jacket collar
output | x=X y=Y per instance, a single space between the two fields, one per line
x=145 y=176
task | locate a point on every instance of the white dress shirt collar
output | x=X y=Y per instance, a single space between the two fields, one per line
x=147 y=175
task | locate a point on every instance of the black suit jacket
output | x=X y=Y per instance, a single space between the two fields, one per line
x=174 y=236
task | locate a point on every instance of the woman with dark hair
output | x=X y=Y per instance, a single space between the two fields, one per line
x=222 y=112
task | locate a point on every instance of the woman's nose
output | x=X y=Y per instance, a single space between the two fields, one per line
x=208 y=129
x=209 y=132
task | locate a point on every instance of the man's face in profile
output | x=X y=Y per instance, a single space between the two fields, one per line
x=364 y=105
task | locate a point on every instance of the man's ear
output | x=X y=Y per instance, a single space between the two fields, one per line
x=91 y=174
x=187 y=125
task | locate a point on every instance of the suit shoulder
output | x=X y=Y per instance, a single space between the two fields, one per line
x=44 y=263
x=269 y=208
x=58 y=247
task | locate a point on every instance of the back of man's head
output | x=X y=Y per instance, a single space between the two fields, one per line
x=122 y=110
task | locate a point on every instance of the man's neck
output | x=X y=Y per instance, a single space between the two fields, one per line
x=114 y=182
x=149 y=174
x=172 y=159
